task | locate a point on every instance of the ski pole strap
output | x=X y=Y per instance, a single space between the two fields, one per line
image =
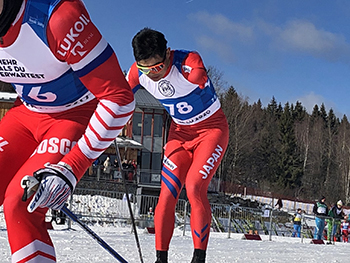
x=99 y=240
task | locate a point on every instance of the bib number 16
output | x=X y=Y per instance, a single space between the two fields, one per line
x=35 y=94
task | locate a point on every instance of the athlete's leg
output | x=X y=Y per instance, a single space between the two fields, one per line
x=175 y=165
x=317 y=228
x=206 y=159
x=27 y=233
x=299 y=231
x=16 y=146
x=329 y=229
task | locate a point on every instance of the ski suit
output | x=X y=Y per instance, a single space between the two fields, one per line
x=73 y=100
x=321 y=211
x=197 y=141
x=345 y=230
x=333 y=223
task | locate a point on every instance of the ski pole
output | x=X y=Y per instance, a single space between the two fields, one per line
x=30 y=185
x=128 y=199
x=99 y=240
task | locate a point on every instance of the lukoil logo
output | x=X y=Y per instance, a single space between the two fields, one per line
x=72 y=35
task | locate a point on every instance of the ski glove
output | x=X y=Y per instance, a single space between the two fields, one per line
x=56 y=183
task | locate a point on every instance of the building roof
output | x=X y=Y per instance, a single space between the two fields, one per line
x=8 y=96
x=146 y=100
x=128 y=143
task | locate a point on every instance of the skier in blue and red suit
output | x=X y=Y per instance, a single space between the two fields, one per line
x=73 y=100
x=197 y=138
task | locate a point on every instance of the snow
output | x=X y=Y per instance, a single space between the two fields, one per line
x=76 y=245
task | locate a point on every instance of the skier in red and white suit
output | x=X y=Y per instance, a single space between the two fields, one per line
x=197 y=138
x=73 y=100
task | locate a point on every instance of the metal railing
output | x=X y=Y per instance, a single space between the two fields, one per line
x=110 y=207
x=97 y=206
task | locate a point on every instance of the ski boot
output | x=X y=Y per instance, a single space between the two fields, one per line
x=198 y=256
x=162 y=256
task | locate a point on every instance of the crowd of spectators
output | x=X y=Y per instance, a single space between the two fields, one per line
x=108 y=168
x=333 y=219
x=332 y=224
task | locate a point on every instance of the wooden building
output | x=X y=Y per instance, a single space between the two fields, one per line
x=142 y=139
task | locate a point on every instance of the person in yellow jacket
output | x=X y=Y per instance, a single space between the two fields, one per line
x=297 y=223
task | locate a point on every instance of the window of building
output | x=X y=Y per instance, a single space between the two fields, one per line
x=148 y=129
x=146 y=160
x=158 y=125
x=137 y=124
x=156 y=161
x=147 y=125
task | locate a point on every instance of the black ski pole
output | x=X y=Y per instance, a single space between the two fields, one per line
x=99 y=240
x=128 y=199
x=30 y=185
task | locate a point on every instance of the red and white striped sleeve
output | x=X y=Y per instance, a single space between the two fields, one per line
x=97 y=66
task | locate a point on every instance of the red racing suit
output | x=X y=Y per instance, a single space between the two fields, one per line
x=73 y=100
x=197 y=141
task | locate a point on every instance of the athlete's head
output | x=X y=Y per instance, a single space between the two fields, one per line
x=8 y=12
x=148 y=43
x=151 y=53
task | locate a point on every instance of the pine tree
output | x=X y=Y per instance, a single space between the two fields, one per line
x=289 y=164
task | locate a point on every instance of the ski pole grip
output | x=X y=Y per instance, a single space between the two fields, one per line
x=30 y=186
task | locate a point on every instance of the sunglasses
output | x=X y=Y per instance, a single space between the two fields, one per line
x=155 y=69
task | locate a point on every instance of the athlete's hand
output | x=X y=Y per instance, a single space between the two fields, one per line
x=56 y=183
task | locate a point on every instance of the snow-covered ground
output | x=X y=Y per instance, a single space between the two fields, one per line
x=77 y=246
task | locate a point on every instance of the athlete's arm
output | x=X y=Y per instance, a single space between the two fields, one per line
x=133 y=78
x=74 y=39
x=193 y=69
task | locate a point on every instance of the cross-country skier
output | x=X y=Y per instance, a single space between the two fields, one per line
x=197 y=139
x=73 y=100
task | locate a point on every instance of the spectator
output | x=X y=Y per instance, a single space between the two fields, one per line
x=116 y=163
x=333 y=223
x=131 y=171
x=150 y=217
x=150 y=213
x=107 y=166
x=125 y=165
x=279 y=204
x=321 y=212
x=297 y=223
x=133 y=163
x=96 y=162
x=345 y=229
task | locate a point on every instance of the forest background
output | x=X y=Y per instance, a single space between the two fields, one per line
x=281 y=149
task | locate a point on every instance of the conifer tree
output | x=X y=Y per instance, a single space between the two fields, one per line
x=289 y=164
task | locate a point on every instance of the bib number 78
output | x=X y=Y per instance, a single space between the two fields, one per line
x=181 y=108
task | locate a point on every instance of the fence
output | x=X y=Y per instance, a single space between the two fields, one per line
x=97 y=206
x=110 y=207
